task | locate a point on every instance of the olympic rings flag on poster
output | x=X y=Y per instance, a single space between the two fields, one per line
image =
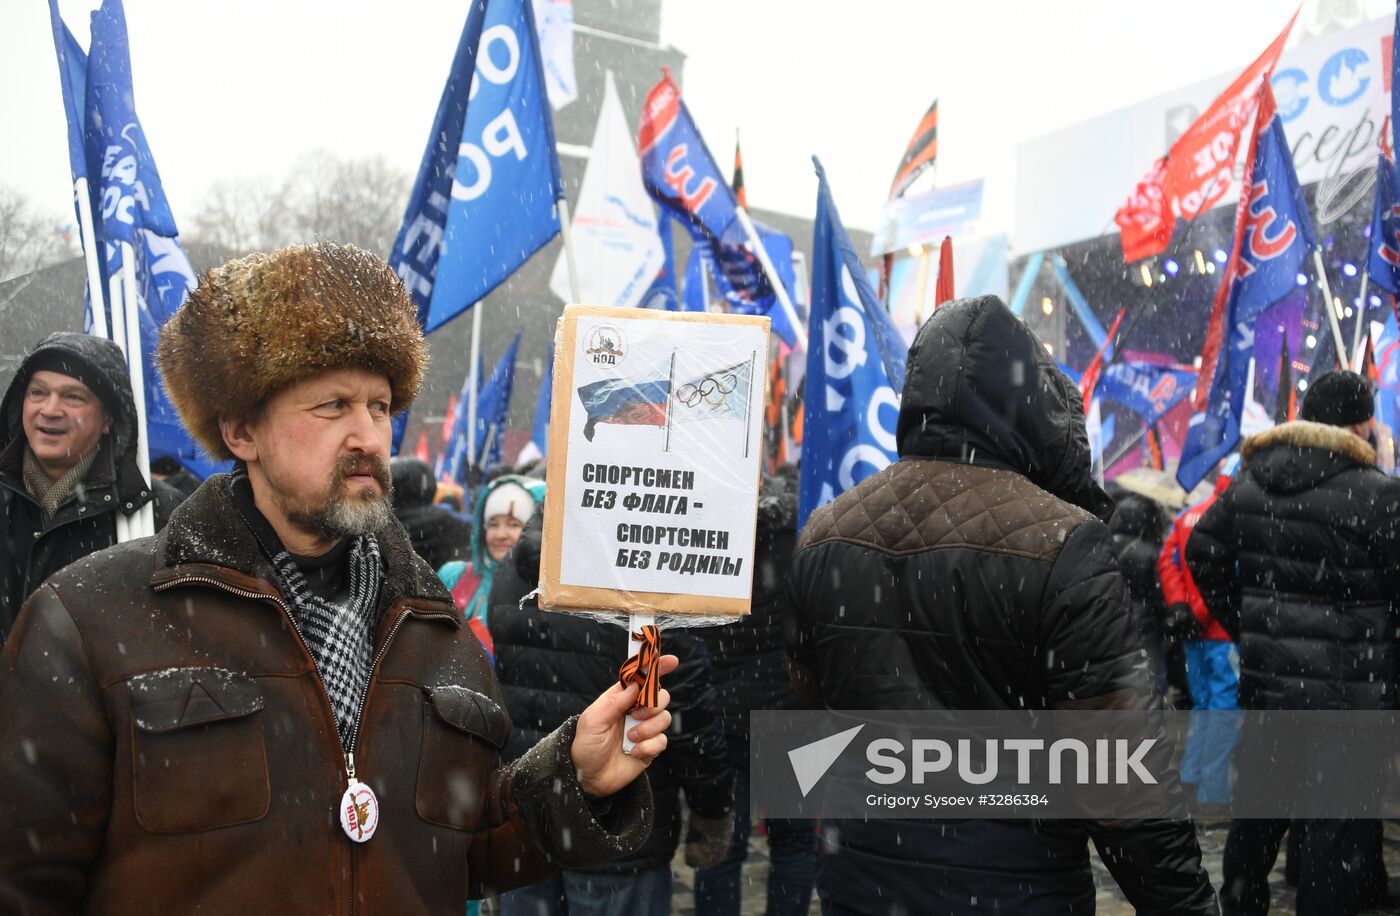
x=658 y=444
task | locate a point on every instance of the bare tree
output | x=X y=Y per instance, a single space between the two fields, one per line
x=29 y=240
x=244 y=215
x=359 y=201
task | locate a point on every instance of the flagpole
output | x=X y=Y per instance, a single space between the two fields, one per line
x=1360 y=319
x=94 y=271
x=473 y=373
x=567 y=234
x=1331 y=310
x=145 y=518
x=778 y=289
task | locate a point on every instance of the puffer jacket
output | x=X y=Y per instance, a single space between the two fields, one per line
x=31 y=548
x=1138 y=524
x=168 y=746
x=552 y=665
x=438 y=535
x=1300 y=561
x=975 y=574
x=750 y=671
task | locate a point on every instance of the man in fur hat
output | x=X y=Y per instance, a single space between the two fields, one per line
x=67 y=463
x=273 y=706
x=1297 y=560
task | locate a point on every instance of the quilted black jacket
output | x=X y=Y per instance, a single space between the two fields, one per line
x=975 y=573
x=1300 y=561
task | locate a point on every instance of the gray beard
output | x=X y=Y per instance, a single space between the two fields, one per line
x=342 y=516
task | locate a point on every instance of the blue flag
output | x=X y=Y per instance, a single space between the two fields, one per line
x=107 y=145
x=1383 y=259
x=492 y=409
x=1273 y=237
x=855 y=368
x=740 y=278
x=1147 y=389
x=72 y=76
x=677 y=168
x=485 y=197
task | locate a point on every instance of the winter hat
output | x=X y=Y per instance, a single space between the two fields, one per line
x=1339 y=398
x=512 y=499
x=261 y=323
x=74 y=365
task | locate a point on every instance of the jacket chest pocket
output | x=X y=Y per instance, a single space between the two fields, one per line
x=198 y=757
x=463 y=733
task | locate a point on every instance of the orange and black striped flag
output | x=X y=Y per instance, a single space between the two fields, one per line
x=1286 y=407
x=1154 y=449
x=774 y=433
x=921 y=153
x=738 y=183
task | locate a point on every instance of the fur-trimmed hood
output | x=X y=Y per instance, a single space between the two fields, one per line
x=259 y=324
x=1298 y=456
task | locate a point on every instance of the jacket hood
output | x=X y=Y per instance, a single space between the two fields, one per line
x=413 y=482
x=91 y=354
x=981 y=388
x=1298 y=456
x=1136 y=516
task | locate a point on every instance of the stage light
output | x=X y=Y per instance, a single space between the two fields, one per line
x=1146 y=275
x=1220 y=256
x=1375 y=302
x=1047 y=305
x=1172 y=267
x=1302 y=279
x=1311 y=341
x=1210 y=267
x=1349 y=269
x=1302 y=384
x=916 y=250
x=1200 y=262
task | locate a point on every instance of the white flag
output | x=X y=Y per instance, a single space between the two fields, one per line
x=554 y=21
x=617 y=250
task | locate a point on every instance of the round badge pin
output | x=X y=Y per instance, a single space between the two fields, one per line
x=359 y=812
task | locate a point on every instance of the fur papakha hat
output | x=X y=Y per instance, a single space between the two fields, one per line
x=263 y=322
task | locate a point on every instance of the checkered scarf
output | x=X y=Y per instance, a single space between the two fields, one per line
x=340 y=636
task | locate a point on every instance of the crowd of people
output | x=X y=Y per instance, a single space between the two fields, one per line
x=318 y=644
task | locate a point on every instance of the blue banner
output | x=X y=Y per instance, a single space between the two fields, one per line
x=1383 y=258
x=485 y=197
x=1273 y=238
x=855 y=368
x=492 y=409
x=129 y=205
x=677 y=168
x=739 y=277
x=1147 y=389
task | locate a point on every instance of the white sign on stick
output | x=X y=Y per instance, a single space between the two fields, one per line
x=654 y=458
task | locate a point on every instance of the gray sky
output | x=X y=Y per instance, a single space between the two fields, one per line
x=240 y=89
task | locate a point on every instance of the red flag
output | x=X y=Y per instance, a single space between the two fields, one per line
x=1090 y=379
x=1145 y=221
x=1199 y=168
x=943 y=290
x=1215 y=327
x=449 y=419
x=1201 y=163
x=422 y=450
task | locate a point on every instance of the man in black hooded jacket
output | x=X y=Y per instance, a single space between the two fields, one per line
x=437 y=534
x=975 y=574
x=1300 y=561
x=67 y=463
